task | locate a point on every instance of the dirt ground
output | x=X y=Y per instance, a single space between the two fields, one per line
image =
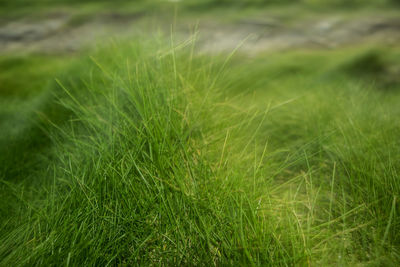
x=59 y=33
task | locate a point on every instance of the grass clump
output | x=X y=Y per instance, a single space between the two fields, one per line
x=159 y=155
x=133 y=176
x=373 y=67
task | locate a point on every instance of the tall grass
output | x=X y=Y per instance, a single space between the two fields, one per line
x=159 y=155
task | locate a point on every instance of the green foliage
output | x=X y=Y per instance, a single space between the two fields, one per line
x=152 y=154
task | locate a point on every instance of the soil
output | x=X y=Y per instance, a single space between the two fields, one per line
x=56 y=33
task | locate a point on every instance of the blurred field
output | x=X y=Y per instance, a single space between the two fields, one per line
x=203 y=133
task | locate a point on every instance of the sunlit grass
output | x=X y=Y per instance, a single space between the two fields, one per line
x=153 y=154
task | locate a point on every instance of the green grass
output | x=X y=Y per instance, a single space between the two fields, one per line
x=148 y=153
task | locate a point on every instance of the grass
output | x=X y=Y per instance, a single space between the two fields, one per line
x=148 y=153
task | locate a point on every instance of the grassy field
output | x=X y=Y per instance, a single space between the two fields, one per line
x=146 y=152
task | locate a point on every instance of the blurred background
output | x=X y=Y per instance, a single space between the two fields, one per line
x=37 y=37
x=65 y=26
